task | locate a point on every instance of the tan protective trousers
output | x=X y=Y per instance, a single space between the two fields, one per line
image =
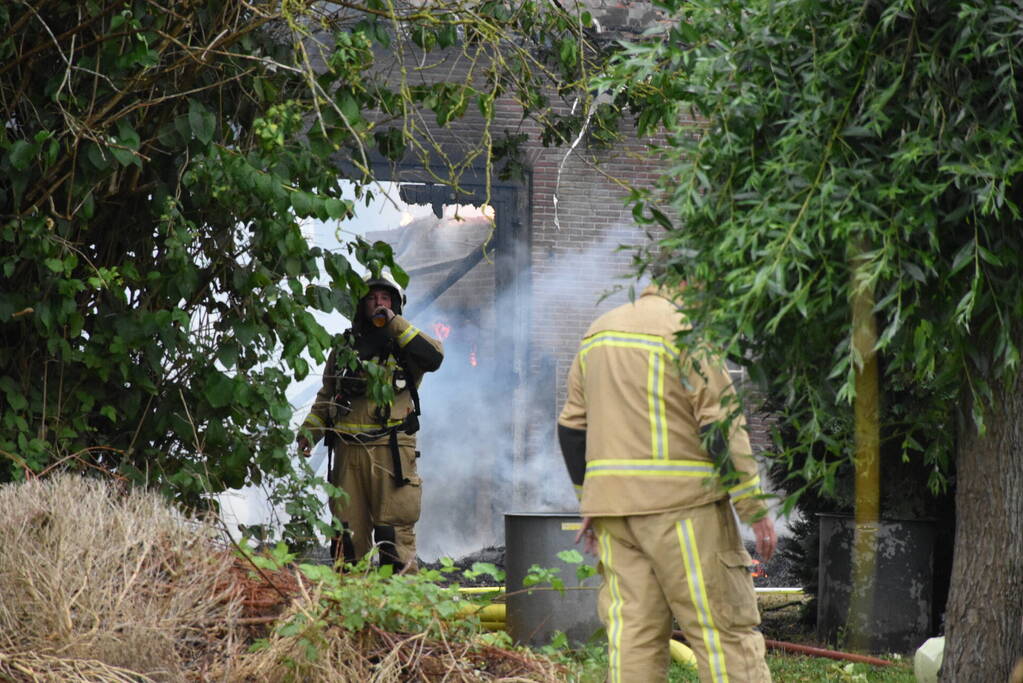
x=366 y=474
x=688 y=563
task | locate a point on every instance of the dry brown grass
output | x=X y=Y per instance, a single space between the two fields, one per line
x=93 y=579
x=105 y=586
x=39 y=668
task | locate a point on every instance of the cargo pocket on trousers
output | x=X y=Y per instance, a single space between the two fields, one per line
x=401 y=504
x=736 y=599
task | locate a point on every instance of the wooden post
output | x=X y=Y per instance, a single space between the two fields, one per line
x=866 y=456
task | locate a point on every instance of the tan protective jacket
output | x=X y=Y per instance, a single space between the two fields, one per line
x=642 y=418
x=422 y=353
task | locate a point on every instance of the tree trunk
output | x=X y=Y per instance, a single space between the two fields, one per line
x=984 y=634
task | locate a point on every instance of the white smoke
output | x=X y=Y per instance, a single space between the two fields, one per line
x=489 y=448
x=488 y=437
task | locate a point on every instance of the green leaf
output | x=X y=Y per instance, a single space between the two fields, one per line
x=349 y=107
x=201 y=122
x=15 y=399
x=989 y=257
x=962 y=257
x=661 y=218
x=485 y=102
x=447 y=35
x=219 y=390
x=227 y=354
x=95 y=155
x=216 y=435
x=126 y=135
x=568 y=52
x=122 y=156
x=318 y=573
x=183 y=127
x=125 y=144
x=914 y=271
x=689 y=33
x=246 y=332
x=857 y=132
x=21 y=154
x=381 y=34
x=570 y=556
x=303 y=203
x=336 y=208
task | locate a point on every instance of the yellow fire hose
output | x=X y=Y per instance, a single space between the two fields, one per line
x=481 y=589
x=491 y=613
x=492 y=618
x=680 y=652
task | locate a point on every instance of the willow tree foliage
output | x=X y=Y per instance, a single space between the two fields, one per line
x=850 y=150
x=156 y=162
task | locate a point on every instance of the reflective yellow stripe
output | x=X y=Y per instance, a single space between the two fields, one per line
x=355 y=428
x=658 y=350
x=750 y=487
x=651 y=405
x=407 y=336
x=662 y=406
x=627 y=340
x=614 y=610
x=314 y=421
x=701 y=602
x=578 y=492
x=649 y=468
x=658 y=414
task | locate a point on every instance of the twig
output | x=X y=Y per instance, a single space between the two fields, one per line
x=249 y=621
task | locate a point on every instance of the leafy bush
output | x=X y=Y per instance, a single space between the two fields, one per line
x=157 y=162
x=367 y=624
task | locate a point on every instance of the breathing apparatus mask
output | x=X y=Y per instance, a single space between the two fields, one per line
x=397 y=294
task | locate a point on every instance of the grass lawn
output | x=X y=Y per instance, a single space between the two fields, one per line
x=781 y=622
x=785 y=668
x=791 y=667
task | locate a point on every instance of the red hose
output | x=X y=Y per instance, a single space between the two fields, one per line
x=821 y=652
x=812 y=651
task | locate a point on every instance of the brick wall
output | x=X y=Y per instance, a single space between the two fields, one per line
x=573 y=219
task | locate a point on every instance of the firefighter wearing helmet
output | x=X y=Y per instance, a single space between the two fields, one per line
x=373 y=446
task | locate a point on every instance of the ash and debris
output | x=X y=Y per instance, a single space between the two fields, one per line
x=779 y=572
x=493 y=555
x=490 y=555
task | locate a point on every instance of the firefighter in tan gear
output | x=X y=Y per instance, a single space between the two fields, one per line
x=655 y=509
x=374 y=446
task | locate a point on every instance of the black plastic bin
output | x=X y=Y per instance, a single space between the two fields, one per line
x=902 y=588
x=533 y=617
